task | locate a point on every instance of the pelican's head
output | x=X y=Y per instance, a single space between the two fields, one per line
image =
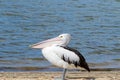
x=61 y=40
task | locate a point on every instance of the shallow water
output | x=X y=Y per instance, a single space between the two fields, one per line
x=93 y=24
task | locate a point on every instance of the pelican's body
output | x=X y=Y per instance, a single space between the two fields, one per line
x=54 y=57
x=56 y=51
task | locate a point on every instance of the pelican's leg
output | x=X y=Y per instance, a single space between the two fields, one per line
x=63 y=75
x=64 y=72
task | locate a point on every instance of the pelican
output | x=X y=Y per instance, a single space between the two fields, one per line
x=57 y=52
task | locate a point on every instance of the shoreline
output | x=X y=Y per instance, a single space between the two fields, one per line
x=71 y=75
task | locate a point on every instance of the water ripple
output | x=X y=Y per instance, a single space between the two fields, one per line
x=93 y=24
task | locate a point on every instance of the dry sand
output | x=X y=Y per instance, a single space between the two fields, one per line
x=93 y=75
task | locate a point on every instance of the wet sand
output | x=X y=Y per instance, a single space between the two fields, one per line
x=71 y=75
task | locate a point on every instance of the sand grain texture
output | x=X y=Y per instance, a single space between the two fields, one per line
x=93 y=75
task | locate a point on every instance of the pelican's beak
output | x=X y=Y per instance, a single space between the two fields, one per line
x=47 y=43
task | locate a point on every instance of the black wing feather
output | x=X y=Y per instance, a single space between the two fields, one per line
x=81 y=62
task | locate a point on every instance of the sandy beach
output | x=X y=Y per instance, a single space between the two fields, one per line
x=71 y=75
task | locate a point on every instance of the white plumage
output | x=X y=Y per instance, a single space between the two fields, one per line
x=56 y=51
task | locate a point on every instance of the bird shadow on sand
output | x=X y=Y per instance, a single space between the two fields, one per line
x=80 y=78
x=76 y=78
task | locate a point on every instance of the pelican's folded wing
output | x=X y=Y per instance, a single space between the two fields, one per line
x=72 y=56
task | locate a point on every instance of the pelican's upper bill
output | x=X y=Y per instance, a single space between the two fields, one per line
x=61 y=40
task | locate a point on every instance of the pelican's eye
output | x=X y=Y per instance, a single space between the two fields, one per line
x=61 y=36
